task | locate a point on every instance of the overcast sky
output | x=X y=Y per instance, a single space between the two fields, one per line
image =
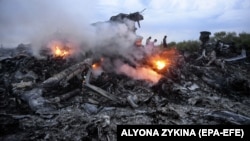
x=178 y=19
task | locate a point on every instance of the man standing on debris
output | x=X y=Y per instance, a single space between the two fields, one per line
x=165 y=45
x=153 y=44
x=149 y=47
x=155 y=40
x=148 y=40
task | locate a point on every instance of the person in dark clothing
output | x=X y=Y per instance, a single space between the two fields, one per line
x=165 y=45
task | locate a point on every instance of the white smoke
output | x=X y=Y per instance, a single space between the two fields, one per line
x=141 y=73
x=39 y=22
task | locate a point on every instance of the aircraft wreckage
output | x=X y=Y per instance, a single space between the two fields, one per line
x=84 y=97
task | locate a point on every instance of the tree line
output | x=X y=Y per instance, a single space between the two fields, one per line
x=240 y=40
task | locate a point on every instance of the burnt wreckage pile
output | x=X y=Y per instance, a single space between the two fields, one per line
x=60 y=99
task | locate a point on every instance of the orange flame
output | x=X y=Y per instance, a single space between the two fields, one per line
x=162 y=60
x=61 y=50
x=160 y=64
x=94 y=66
x=97 y=64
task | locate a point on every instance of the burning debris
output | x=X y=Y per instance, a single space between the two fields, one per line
x=82 y=95
x=59 y=50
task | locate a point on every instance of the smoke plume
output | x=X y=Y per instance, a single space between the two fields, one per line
x=39 y=22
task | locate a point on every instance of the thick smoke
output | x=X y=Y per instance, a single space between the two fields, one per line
x=115 y=42
x=115 y=39
x=39 y=22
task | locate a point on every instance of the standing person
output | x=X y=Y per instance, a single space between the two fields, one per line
x=150 y=46
x=155 y=40
x=153 y=45
x=165 y=45
x=148 y=40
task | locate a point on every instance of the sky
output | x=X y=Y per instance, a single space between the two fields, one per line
x=22 y=21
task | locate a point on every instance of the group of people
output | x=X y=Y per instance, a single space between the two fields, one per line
x=152 y=43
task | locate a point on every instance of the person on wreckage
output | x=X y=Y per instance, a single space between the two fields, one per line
x=164 y=42
x=150 y=47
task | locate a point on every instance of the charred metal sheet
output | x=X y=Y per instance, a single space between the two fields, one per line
x=66 y=74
